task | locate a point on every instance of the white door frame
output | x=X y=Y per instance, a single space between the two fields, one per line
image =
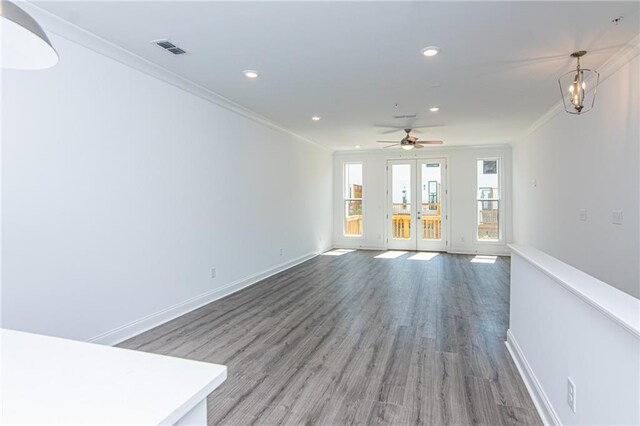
x=414 y=242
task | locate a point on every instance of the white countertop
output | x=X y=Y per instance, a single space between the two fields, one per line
x=48 y=380
x=617 y=305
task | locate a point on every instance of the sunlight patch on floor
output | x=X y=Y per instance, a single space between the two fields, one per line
x=484 y=259
x=425 y=255
x=337 y=252
x=391 y=254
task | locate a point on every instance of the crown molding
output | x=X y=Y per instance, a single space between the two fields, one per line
x=67 y=30
x=623 y=56
x=62 y=28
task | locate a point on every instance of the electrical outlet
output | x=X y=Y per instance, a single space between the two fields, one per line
x=280 y=252
x=534 y=183
x=462 y=239
x=571 y=394
x=582 y=214
x=213 y=272
x=616 y=217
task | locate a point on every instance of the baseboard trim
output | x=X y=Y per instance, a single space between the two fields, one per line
x=539 y=397
x=491 y=251
x=486 y=251
x=122 y=333
x=357 y=247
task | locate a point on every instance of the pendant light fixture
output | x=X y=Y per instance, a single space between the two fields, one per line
x=578 y=88
x=24 y=45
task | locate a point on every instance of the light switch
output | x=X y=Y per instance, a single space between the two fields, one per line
x=616 y=217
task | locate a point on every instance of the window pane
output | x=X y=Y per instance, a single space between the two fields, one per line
x=488 y=200
x=488 y=182
x=401 y=199
x=353 y=180
x=353 y=218
x=353 y=199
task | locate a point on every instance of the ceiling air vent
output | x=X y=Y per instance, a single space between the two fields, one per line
x=169 y=46
x=401 y=116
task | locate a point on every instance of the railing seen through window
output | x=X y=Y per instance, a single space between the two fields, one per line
x=431 y=221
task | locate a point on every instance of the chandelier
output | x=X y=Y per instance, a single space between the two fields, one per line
x=578 y=87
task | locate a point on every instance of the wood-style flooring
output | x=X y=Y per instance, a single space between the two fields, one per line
x=355 y=339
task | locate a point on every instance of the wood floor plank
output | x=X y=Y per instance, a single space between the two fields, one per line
x=480 y=405
x=512 y=416
x=354 y=339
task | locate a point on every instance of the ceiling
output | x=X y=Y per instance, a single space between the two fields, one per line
x=352 y=62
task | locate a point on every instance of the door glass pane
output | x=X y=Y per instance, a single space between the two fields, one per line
x=431 y=196
x=488 y=200
x=401 y=199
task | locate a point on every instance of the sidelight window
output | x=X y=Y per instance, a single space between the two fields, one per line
x=488 y=199
x=353 y=199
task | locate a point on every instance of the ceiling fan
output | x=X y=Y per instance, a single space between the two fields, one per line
x=410 y=142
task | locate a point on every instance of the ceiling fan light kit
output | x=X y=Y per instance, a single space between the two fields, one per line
x=578 y=87
x=410 y=142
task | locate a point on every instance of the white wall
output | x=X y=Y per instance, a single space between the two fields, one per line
x=120 y=192
x=462 y=171
x=586 y=162
x=566 y=324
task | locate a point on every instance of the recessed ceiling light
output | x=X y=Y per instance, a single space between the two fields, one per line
x=434 y=109
x=430 y=51
x=251 y=74
x=315 y=118
x=357 y=146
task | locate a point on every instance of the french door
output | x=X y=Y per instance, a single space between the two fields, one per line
x=416 y=204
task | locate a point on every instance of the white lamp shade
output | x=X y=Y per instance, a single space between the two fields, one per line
x=23 y=43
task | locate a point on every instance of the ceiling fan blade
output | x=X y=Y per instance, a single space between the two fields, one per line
x=387 y=141
x=391 y=146
x=426 y=126
x=417 y=145
x=391 y=129
x=431 y=142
